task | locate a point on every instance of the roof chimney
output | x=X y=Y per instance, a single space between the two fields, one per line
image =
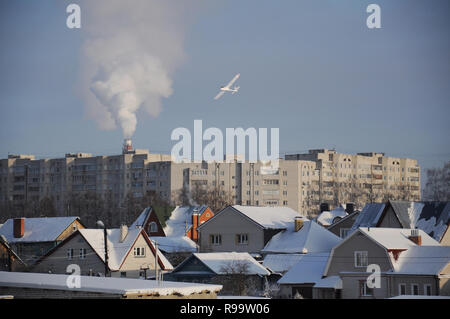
x=415 y=237
x=123 y=232
x=19 y=227
x=298 y=223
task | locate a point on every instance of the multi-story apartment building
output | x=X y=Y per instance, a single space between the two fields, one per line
x=301 y=181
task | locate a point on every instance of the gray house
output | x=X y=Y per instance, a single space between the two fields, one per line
x=343 y=227
x=410 y=263
x=244 y=228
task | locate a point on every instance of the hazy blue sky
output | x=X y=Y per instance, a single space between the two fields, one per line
x=311 y=68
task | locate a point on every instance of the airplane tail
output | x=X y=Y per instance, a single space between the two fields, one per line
x=236 y=88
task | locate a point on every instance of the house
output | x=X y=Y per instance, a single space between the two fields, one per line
x=148 y=220
x=130 y=253
x=238 y=273
x=185 y=220
x=244 y=228
x=409 y=261
x=52 y=286
x=9 y=261
x=301 y=237
x=301 y=278
x=343 y=226
x=31 y=238
x=431 y=217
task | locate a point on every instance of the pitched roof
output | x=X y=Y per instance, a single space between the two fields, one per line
x=431 y=217
x=41 y=229
x=218 y=261
x=274 y=217
x=117 y=251
x=309 y=269
x=180 y=220
x=142 y=218
x=280 y=263
x=423 y=260
x=396 y=238
x=326 y=218
x=369 y=215
x=310 y=238
x=175 y=244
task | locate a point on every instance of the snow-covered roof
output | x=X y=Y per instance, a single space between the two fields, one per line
x=396 y=238
x=142 y=218
x=423 y=260
x=369 y=215
x=117 y=251
x=180 y=220
x=231 y=260
x=431 y=217
x=175 y=244
x=102 y=284
x=329 y=282
x=309 y=269
x=326 y=218
x=41 y=229
x=281 y=263
x=274 y=217
x=310 y=238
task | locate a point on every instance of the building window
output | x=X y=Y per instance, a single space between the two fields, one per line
x=139 y=252
x=153 y=228
x=82 y=253
x=215 y=239
x=123 y=274
x=365 y=291
x=344 y=232
x=242 y=239
x=70 y=253
x=402 y=289
x=427 y=289
x=361 y=259
x=415 y=289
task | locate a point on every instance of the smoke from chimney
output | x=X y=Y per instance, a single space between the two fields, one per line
x=130 y=52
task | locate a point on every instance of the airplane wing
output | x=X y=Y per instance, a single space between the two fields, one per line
x=219 y=95
x=232 y=81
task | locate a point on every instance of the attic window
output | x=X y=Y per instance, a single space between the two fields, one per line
x=139 y=252
x=153 y=228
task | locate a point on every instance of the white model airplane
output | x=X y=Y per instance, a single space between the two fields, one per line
x=227 y=88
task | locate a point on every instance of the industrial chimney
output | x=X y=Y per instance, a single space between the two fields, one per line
x=127 y=146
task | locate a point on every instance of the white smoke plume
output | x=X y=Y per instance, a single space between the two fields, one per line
x=130 y=51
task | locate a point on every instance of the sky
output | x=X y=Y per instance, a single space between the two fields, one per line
x=313 y=69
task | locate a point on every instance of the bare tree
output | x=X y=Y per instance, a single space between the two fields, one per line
x=236 y=279
x=437 y=187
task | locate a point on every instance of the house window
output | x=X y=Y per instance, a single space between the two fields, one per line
x=153 y=227
x=361 y=259
x=82 y=253
x=427 y=289
x=344 y=232
x=70 y=253
x=415 y=289
x=139 y=252
x=123 y=274
x=215 y=239
x=242 y=239
x=364 y=291
x=402 y=289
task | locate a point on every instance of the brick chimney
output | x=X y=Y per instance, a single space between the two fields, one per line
x=123 y=232
x=19 y=227
x=298 y=223
x=415 y=237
